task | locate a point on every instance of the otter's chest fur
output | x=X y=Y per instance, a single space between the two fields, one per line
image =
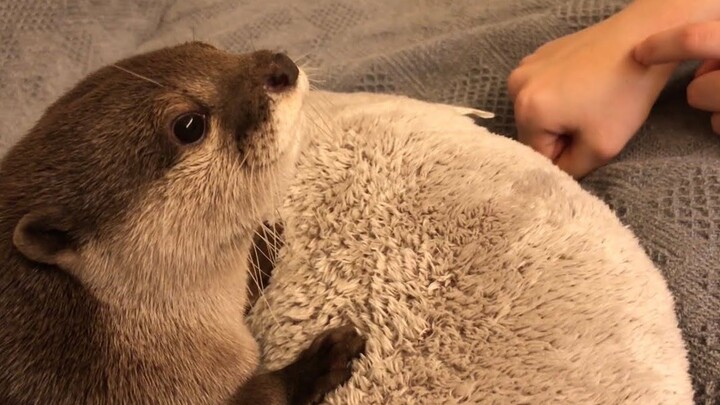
x=58 y=336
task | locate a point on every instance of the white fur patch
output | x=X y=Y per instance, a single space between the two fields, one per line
x=478 y=270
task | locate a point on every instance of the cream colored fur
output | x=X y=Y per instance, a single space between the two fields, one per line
x=479 y=271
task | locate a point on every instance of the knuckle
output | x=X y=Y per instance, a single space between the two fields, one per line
x=606 y=151
x=527 y=59
x=514 y=82
x=528 y=104
x=694 y=37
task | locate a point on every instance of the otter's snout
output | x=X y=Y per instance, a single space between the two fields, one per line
x=283 y=73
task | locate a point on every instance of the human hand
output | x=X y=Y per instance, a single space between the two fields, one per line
x=581 y=98
x=693 y=41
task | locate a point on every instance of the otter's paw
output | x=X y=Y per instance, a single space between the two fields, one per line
x=325 y=365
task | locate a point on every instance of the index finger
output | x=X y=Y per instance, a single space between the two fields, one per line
x=694 y=41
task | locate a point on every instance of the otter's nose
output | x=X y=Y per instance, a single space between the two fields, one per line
x=283 y=73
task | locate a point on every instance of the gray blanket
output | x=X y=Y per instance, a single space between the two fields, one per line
x=665 y=186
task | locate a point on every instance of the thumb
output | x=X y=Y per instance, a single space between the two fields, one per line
x=546 y=143
x=579 y=159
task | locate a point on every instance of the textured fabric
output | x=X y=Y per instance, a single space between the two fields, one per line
x=664 y=186
x=475 y=281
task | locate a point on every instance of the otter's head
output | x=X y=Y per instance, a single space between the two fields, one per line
x=152 y=173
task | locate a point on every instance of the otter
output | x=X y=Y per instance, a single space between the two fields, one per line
x=127 y=214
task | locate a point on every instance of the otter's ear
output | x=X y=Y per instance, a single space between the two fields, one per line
x=44 y=236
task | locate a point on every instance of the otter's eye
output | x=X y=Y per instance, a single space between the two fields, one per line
x=189 y=128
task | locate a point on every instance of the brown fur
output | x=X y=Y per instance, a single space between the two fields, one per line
x=123 y=270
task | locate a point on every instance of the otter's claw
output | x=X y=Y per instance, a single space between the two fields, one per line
x=326 y=364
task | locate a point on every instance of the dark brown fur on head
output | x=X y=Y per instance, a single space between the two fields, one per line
x=101 y=144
